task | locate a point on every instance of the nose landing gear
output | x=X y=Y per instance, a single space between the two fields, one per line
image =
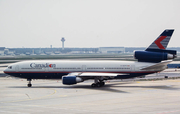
x=29 y=83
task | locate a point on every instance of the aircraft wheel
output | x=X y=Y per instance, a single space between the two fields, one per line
x=165 y=76
x=29 y=85
x=98 y=84
x=93 y=85
x=102 y=83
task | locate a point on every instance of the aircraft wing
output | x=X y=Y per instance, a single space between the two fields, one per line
x=162 y=65
x=91 y=74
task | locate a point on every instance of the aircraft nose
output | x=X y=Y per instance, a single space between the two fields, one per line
x=5 y=70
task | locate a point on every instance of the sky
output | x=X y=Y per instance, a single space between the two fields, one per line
x=87 y=23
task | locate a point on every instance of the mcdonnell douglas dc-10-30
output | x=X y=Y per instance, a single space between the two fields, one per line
x=154 y=59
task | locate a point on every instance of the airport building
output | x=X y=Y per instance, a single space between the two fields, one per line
x=2 y=50
x=111 y=50
x=55 y=51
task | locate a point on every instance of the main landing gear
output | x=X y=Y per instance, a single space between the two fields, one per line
x=98 y=83
x=29 y=83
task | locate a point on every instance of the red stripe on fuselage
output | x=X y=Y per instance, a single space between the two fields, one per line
x=87 y=72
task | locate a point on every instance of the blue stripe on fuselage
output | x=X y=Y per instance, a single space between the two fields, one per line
x=58 y=75
x=38 y=75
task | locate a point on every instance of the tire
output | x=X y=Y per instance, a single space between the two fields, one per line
x=93 y=85
x=98 y=84
x=102 y=83
x=29 y=85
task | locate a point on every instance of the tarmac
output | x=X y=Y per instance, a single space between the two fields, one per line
x=116 y=97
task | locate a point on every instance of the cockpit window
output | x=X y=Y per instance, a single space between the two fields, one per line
x=10 y=67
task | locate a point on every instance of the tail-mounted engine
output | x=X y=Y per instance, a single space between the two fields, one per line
x=154 y=55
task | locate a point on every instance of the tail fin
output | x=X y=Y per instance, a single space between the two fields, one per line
x=162 y=41
x=157 y=52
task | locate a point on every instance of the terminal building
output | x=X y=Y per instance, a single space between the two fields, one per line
x=111 y=50
x=55 y=51
x=2 y=50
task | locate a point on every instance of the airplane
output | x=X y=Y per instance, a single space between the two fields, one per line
x=152 y=60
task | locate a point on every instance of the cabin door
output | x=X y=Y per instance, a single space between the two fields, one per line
x=83 y=67
x=46 y=69
x=17 y=68
x=132 y=68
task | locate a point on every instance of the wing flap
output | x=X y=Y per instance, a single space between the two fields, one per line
x=84 y=74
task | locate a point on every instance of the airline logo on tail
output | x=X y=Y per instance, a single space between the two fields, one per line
x=158 y=42
x=162 y=41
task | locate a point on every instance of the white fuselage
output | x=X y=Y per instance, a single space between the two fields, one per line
x=58 y=68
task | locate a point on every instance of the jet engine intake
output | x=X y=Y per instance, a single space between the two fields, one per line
x=69 y=80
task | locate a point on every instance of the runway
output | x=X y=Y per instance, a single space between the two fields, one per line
x=50 y=96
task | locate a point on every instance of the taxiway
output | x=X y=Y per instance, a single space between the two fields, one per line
x=117 y=97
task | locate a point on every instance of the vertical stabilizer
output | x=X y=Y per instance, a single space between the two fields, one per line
x=162 y=41
x=157 y=52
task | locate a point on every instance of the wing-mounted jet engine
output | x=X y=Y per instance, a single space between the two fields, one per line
x=69 y=80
